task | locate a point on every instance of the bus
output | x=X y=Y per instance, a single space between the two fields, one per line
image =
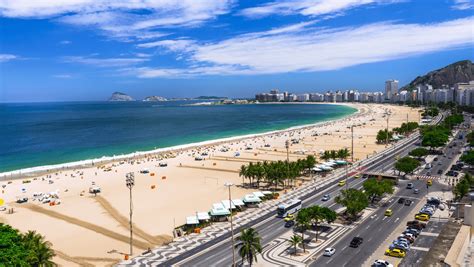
x=290 y=207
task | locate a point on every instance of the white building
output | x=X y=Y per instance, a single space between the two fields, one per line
x=391 y=87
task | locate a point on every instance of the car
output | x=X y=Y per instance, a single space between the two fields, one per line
x=401 y=200
x=357 y=176
x=440 y=172
x=440 y=163
x=408 y=202
x=410 y=232
x=329 y=252
x=388 y=212
x=409 y=235
x=414 y=231
x=428 y=173
x=163 y=164
x=342 y=183
x=289 y=217
x=381 y=263
x=416 y=223
x=408 y=238
x=22 y=200
x=365 y=176
x=410 y=186
x=356 y=242
x=435 y=159
x=326 y=197
x=401 y=246
x=395 y=253
x=289 y=224
x=422 y=217
x=429 y=182
x=403 y=239
x=430 y=212
x=416 y=191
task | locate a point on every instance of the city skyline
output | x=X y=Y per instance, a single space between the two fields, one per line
x=79 y=50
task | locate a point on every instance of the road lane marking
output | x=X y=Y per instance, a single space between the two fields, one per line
x=421 y=248
x=429 y=234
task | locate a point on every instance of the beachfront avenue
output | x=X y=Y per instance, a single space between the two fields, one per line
x=215 y=252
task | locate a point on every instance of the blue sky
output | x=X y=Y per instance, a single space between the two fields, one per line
x=77 y=50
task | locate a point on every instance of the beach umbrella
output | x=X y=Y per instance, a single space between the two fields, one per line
x=2 y=201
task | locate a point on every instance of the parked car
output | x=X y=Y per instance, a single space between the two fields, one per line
x=329 y=252
x=356 y=242
x=395 y=253
x=416 y=224
x=381 y=263
x=22 y=200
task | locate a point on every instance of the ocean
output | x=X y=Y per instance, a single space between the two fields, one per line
x=39 y=134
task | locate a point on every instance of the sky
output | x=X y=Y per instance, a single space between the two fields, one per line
x=80 y=50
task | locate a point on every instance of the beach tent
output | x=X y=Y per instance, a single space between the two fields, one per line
x=266 y=193
x=329 y=163
x=258 y=194
x=191 y=220
x=341 y=162
x=203 y=216
x=228 y=205
x=219 y=210
x=251 y=199
x=238 y=202
x=326 y=168
x=314 y=169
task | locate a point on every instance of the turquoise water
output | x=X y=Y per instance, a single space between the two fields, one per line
x=41 y=134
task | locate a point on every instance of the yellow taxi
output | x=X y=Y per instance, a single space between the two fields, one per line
x=429 y=182
x=422 y=217
x=388 y=212
x=395 y=253
x=357 y=176
x=342 y=183
x=289 y=217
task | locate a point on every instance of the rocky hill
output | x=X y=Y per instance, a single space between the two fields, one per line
x=118 y=96
x=154 y=99
x=461 y=71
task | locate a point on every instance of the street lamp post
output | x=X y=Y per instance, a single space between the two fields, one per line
x=287 y=146
x=130 y=182
x=386 y=140
x=231 y=223
x=352 y=143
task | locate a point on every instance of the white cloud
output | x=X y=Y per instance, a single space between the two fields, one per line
x=105 y=62
x=7 y=57
x=308 y=7
x=120 y=18
x=65 y=42
x=313 y=49
x=179 y=45
x=463 y=4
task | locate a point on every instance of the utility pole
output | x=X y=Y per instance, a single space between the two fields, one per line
x=386 y=138
x=352 y=143
x=130 y=182
x=287 y=146
x=231 y=223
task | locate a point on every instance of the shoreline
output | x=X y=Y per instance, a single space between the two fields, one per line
x=47 y=169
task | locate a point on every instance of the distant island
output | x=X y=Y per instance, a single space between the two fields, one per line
x=120 y=97
x=211 y=98
x=154 y=99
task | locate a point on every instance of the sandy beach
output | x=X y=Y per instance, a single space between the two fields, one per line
x=88 y=230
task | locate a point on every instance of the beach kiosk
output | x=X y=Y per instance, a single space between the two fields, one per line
x=192 y=220
x=203 y=216
x=228 y=204
x=251 y=200
x=239 y=204
x=219 y=212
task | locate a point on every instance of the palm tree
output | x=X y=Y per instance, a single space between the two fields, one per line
x=343 y=153
x=243 y=173
x=249 y=245
x=303 y=220
x=294 y=241
x=42 y=253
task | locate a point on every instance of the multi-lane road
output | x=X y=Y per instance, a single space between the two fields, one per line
x=218 y=252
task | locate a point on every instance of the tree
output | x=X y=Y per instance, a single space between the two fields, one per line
x=354 y=200
x=343 y=153
x=303 y=220
x=374 y=188
x=418 y=152
x=406 y=165
x=249 y=245
x=320 y=214
x=468 y=158
x=41 y=252
x=28 y=249
x=382 y=136
x=461 y=189
x=294 y=241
